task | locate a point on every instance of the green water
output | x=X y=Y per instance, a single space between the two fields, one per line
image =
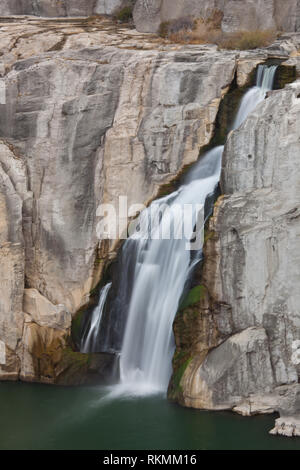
x=45 y=417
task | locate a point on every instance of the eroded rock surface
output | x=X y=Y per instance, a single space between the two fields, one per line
x=92 y=113
x=251 y=272
x=237 y=15
x=54 y=8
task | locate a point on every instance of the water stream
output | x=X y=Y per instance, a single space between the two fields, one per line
x=90 y=335
x=163 y=267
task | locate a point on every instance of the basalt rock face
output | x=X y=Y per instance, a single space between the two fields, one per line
x=58 y=8
x=251 y=273
x=237 y=14
x=80 y=126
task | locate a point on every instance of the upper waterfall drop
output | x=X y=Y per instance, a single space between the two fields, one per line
x=264 y=83
x=162 y=267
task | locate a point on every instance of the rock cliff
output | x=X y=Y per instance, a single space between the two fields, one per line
x=149 y=14
x=57 y=8
x=237 y=14
x=99 y=108
x=248 y=359
x=88 y=107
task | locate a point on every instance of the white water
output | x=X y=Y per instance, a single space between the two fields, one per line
x=163 y=267
x=88 y=343
x=160 y=275
x=264 y=83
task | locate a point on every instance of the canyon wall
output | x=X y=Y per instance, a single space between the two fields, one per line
x=90 y=112
x=82 y=126
x=247 y=356
x=149 y=14
x=237 y=14
x=57 y=8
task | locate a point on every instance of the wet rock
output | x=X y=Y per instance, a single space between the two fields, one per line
x=226 y=374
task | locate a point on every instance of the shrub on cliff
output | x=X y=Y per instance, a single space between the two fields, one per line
x=243 y=40
x=124 y=14
x=208 y=31
x=189 y=30
x=177 y=30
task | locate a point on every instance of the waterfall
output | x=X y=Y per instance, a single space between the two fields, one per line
x=162 y=267
x=264 y=83
x=160 y=275
x=88 y=342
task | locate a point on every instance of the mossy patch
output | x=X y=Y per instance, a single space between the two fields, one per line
x=208 y=234
x=76 y=358
x=179 y=373
x=85 y=369
x=193 y=297
x=175 y=388
x=75 y=366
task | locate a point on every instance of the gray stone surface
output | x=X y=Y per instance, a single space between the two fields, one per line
x=88 y=111
x=108 y=7
x=252 y=270
x=79 y=126
x=237 y=368
x=289 y=422
x=55 y=8
x=238 y=14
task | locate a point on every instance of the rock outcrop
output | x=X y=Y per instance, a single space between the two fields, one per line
x=237 y=14
x=55 y=8
x=251 y=272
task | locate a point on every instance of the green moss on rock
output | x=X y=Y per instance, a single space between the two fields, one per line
x=175 y=389
x=124 y=15
x=76 y=368
x=193 y=297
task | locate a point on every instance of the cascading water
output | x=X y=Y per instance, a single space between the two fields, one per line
x=163 y=266
x=89 y=338
x=161 y=272
x=264 y=83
